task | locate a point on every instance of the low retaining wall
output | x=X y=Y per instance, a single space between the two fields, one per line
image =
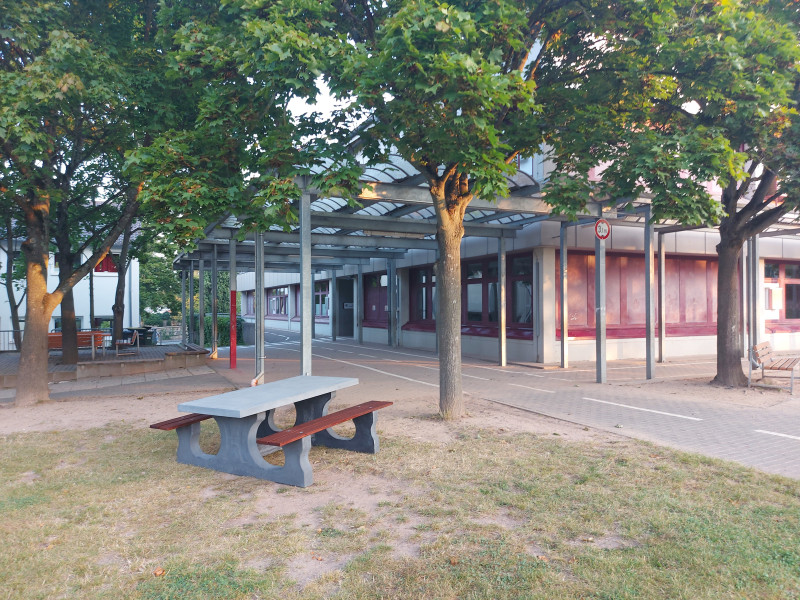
x=109 y=368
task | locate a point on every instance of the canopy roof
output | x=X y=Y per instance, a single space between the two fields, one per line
x=396 y=215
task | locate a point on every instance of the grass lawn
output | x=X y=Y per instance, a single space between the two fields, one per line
x=108 y=513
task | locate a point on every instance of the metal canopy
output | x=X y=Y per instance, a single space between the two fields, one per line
x=394 y=213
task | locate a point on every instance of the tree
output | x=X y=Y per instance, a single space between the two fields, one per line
x=66 y=71
x=159 y=286
x=455 y=89
x=702 y=92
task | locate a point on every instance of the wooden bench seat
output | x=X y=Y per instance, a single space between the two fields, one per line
x=287 y=436
x=763 y=356
x=181 y=421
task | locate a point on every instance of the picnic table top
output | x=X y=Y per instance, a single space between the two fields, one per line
x=261 y=398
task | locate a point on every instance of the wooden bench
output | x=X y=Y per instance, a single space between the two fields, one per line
x=86 y=339
x=246 y=419
x=182 y=421
x=287 y=436
x=762 y=356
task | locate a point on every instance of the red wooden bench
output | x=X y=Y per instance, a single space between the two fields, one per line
x=86 y=339
x=287 y=436
x=763 y=356
x=181 y=421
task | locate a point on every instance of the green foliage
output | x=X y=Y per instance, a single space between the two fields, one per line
x=692 y=93
x=242 y=63
x=223 y=329
x=159 y=285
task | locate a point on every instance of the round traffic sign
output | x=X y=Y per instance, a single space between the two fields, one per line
x=602 y=229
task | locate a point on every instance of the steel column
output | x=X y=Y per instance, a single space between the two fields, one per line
x=306 y=284
x=391 y=299
x=258 y=298
x=232 y=308
x=649 y=302
x=214 y=305
x=360 y=305
x=662 y=298
x=600 y=308
x=184 y=337
x=501 y=300
x=201 y=303
x=191 y=303
x=333 y=306
x=564 y=316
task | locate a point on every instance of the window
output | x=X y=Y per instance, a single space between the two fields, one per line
x=480 y=292
x=376 y=309
x=321 y=299
x=423 y=294
x=771 y=270
x=277 y=301
x=793 y=301
x=107 y=265
x=787 y=277
x=480 y=300
x=520 y=283
x=691 y=295
x=57 y=323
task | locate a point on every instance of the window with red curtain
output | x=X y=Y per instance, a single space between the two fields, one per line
x=107 y=265
x=376 y=300
x=691 y=295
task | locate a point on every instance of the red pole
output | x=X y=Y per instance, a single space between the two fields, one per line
x=233 y=330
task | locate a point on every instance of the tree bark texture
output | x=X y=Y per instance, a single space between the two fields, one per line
x=32 y=376
x=729 y=341
x=69 y=330
x=450 y=195
x=119 y=297
x=448 y=321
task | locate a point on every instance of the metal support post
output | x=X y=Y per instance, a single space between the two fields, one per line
x=391 y=298
x=201 y=303
x=662 y=299
x=501 y=300
x=649 y=290
x=232 y=310
x=184 y=338
x=258 y=297
x=306 y=284
x=600 y=308
x=360 y=304
x=191 y=303
x=214 y=305
x=334 y=308
x=564 y=316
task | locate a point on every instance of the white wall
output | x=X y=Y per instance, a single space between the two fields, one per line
x=105 y=285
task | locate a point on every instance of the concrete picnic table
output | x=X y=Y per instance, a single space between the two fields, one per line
x=246 y=415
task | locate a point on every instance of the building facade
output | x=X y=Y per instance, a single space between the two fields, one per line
x=533 y=299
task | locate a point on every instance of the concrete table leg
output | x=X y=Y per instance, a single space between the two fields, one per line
x=239 y=455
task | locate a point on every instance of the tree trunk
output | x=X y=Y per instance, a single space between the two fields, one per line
x=69 y=330
x=729 y=343
x=119 y=297
x=32 y=376
x=448 y=321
